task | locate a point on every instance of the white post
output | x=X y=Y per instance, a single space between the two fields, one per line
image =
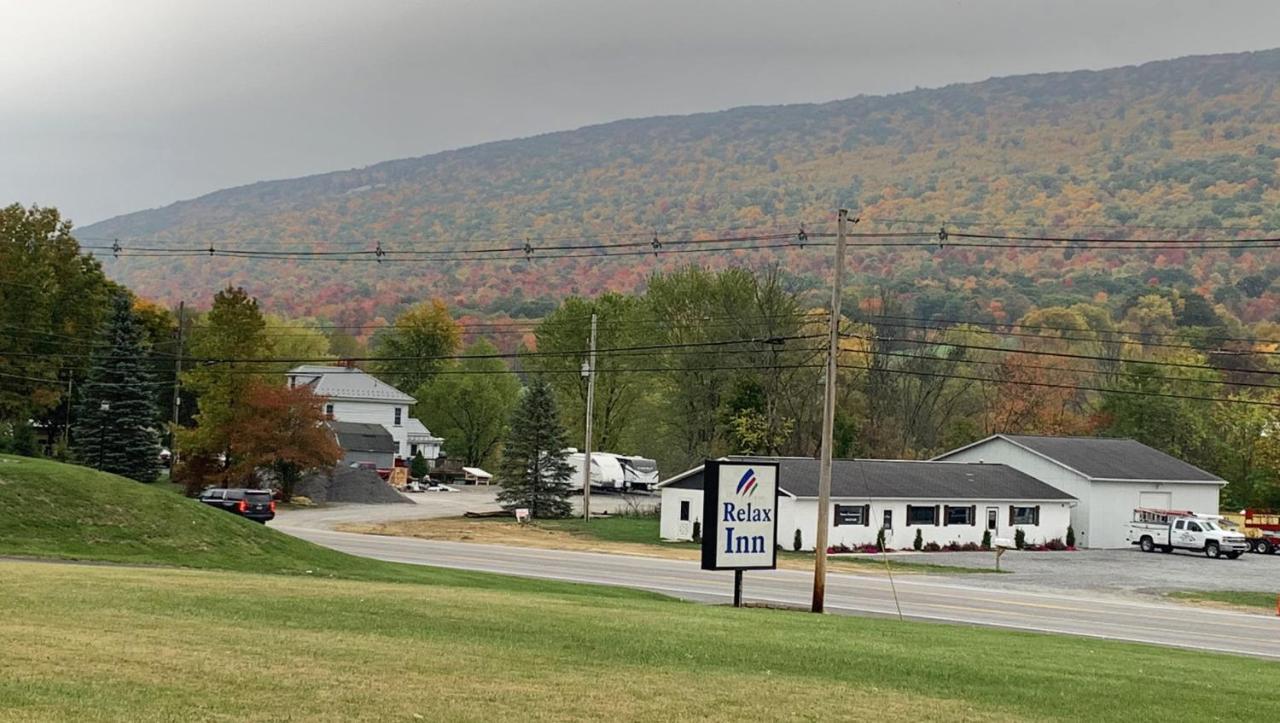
x=590 y=372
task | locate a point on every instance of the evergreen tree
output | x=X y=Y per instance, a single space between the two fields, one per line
x=534 y=472
x=116 y=431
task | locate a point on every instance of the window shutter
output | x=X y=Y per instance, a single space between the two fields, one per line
x=866 y=515
x=1037 y=516
x=1011 y=515
x=973 y=515
x=946 y=516
x=937 y=512
x=908 y=515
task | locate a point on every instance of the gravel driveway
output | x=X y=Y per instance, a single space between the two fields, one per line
x=434 y=504
x=1114 y=570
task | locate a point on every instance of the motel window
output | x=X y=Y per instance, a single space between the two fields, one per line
x=922 y=515
x=684 y=510
x=1024 y=515
x=328 y=411
x=960 y=515
x=888 y=519
x=398 y=413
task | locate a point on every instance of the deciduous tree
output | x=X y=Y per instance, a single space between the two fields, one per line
x=416 y=343
x=469 y=404
x=280 y=430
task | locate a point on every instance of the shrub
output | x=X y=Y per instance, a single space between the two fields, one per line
x=797 y=543
x=919 y=541
x=880 y=540
x=1071 y=536
x=301 y=501
x=952 y=546
x=986 y=539
x=932 y=547
x=697 y=531
x=1019 y=539
x=1056 y=544
x=970 y=547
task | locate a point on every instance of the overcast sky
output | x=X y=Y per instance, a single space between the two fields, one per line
x=111 y=106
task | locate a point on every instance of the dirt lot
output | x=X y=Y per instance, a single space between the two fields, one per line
x=554 y=537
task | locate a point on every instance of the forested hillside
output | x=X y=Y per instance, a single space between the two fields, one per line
x=1189 y=145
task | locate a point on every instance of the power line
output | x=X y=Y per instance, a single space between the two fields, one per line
x=1155 y=334
x=1073 y=370
x=1159 y=345
x=771 y=341
x=1061 y=354
x=1053 y=385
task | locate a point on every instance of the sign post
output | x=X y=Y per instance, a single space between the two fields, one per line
x=740 y=518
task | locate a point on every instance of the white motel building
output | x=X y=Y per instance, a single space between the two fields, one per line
x=1004 y=483
x=945 y=501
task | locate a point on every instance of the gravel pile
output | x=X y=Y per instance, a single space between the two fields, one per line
x=346 y=484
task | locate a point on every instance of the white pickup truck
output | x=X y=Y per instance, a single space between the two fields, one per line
x=1169 y=530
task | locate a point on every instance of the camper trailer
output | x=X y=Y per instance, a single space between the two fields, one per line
x=614 y=472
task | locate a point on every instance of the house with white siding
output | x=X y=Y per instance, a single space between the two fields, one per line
x=946 y=501
x=1109 y=477
x=354 y=395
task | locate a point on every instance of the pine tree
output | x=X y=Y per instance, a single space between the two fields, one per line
x=115 y=431
x=534 y=472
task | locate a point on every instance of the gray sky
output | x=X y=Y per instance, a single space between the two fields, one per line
x=115 y=106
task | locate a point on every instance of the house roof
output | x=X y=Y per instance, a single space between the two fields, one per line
x=415 y=430
x=361 y=437
x=1103 y=458
x=477 y=472
x=348 y=383
x=896 y=479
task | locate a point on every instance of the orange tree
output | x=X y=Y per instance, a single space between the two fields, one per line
x=280 y=430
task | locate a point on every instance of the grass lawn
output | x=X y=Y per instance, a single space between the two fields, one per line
x=636 y=535
x=53 y=510
x=1233 y=598
x=110 y=643
x=278 y=629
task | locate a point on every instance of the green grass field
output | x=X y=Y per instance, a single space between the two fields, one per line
x=396 y=642
x=1235 y=598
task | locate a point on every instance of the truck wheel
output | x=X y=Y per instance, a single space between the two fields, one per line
x=1146 y=545
x=1264 y=547
x=1211 y=550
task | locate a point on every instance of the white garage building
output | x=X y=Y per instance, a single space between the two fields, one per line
x=1110 y=477
x=947 y=501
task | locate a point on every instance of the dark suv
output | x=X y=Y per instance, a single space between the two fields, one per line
x=256 y=505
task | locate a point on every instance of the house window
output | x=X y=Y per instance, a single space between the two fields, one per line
x=684 y=510
x=992 y=514
x=398 y=412
x=1024 y=515
x=888 y=519
x=922 y=515
x=328 y=411
x=959 y=515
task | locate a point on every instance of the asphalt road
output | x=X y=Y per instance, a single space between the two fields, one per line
x=944 y=600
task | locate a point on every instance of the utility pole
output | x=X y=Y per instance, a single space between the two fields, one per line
x=177 y=387
x=828 y=424
x=66 y=422
x=589 y=370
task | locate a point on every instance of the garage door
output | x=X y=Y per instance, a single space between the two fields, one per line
x=1156 y=500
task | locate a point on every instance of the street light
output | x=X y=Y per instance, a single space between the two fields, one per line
x=104 y=407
